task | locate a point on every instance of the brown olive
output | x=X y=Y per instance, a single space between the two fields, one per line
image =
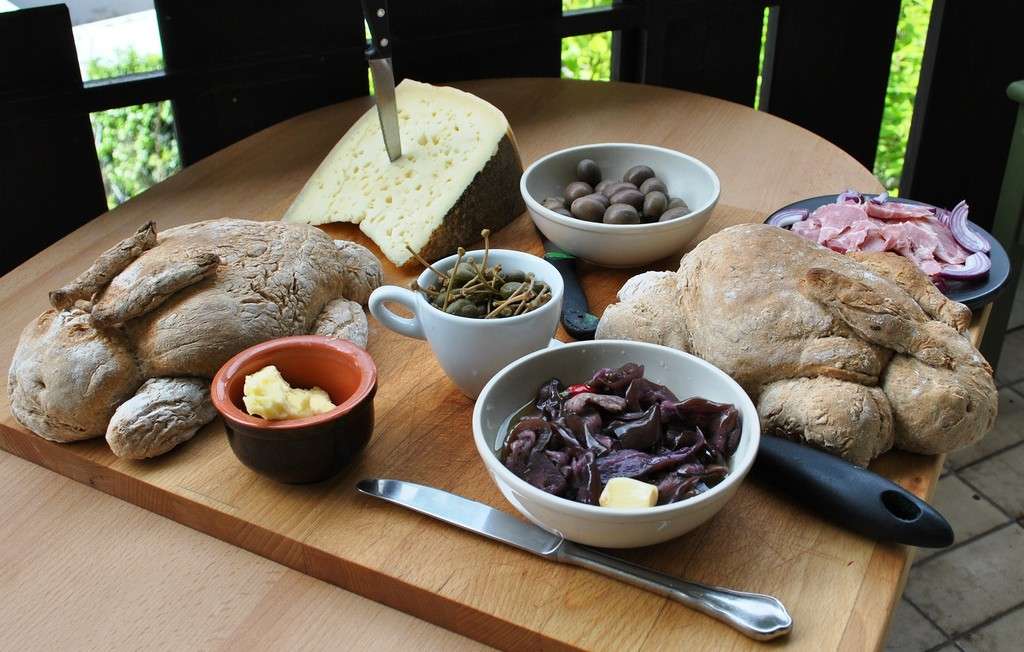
x=673 y=213
x=588 y=208
x=562 y=211
x=577 y=189
x=587 y=170
x=613 y=188
x=653 y=184
x=676 y=202
x=655 y=203
x=601 y=198
x=621 y=214
x=628 y=196
x=553 y=202
x=638 y=174
x=601 y=185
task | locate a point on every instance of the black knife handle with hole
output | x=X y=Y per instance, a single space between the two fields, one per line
x=377 y=17
x=852 y=497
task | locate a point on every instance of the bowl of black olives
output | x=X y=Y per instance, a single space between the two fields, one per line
x=620 y=204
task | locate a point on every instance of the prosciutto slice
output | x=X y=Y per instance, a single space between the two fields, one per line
x=908 y=229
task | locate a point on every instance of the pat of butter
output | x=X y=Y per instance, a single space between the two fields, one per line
x=627 y=492
x=267 y=394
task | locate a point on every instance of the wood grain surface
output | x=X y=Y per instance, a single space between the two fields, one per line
x=840 y=588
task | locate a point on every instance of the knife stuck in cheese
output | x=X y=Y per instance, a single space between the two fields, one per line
x=459 y=173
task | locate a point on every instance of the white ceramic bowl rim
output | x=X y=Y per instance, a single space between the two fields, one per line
x=601 y=227
x=740 y=465
x=555 y=283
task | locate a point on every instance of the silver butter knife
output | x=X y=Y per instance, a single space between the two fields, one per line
x=760 y=617
x=378 y=54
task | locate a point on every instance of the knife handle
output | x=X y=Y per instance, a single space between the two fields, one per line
x=377 y=17
x=576 y=316
x=854 y=498
x=761 y=617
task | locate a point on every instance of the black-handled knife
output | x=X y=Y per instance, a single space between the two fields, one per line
x=577 y=319
x=378 y=55
x=853 y=497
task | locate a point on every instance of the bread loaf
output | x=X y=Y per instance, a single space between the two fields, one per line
x=459 y=173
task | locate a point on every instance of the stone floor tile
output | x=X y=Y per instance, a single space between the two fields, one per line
x=1011 y=361
x=1002 y=635
x=969 y=513
x=909 y=631
x=1009 y=430
x=964 y=587
x=1001 y=479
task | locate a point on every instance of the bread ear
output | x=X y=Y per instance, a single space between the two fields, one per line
x=87 y=284
x=151 y=290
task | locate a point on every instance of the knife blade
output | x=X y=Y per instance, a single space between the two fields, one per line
x=760 y=617
x=577 y=319
x=378 y=55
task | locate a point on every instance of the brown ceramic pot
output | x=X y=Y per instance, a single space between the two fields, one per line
x=309 y=449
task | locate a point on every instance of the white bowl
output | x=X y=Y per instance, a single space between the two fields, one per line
x=621 y=245
x=686 y=375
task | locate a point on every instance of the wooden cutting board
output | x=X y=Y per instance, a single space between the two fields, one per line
x=839 y=588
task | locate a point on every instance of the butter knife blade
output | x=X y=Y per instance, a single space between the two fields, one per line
x=760 y=617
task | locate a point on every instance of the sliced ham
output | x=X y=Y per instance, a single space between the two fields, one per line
x=895 y=210
x=908 y=229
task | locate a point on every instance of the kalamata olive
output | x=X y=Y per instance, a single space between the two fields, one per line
x=673 y=213
x=587 y=170
x=601 y=198
x=463 y=274
x=587 y=208
x=553 y=202
x=613 y=188
x=653 y=184
x=638 y=174
x=634 y=198
x=621 y=214
x=655 y=203
x=577 y=189
x=601 y=185
x=676 y=202
x=562 y=211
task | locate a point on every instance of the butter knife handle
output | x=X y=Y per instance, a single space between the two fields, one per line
x=761 y=617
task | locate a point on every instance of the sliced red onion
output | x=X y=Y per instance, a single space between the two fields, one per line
x=849 y=197
x=976 y=266
x=789 y=217
x=942 y=215
x=879 y=199
x=968 y=238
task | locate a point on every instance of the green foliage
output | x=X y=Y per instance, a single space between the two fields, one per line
x=588 y=56
x=136 y=145
x=904 y=74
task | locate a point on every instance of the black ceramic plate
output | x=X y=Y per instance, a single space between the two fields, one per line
x=974 y=294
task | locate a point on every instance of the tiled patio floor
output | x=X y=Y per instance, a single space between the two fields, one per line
x=971 y=596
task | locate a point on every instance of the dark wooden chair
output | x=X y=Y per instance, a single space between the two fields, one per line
x=50 y=180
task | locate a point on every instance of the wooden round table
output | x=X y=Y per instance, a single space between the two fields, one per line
x=83 y=569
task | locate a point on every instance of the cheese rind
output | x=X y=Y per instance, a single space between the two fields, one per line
x=459 y=172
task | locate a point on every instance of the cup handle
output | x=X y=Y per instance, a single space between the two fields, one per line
x=410 y=327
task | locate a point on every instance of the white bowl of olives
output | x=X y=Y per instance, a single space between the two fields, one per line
x=619 y=204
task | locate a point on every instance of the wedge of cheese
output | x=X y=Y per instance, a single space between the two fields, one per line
x=459 y=173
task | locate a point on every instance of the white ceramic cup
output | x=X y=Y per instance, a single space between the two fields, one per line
x=471 y=350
